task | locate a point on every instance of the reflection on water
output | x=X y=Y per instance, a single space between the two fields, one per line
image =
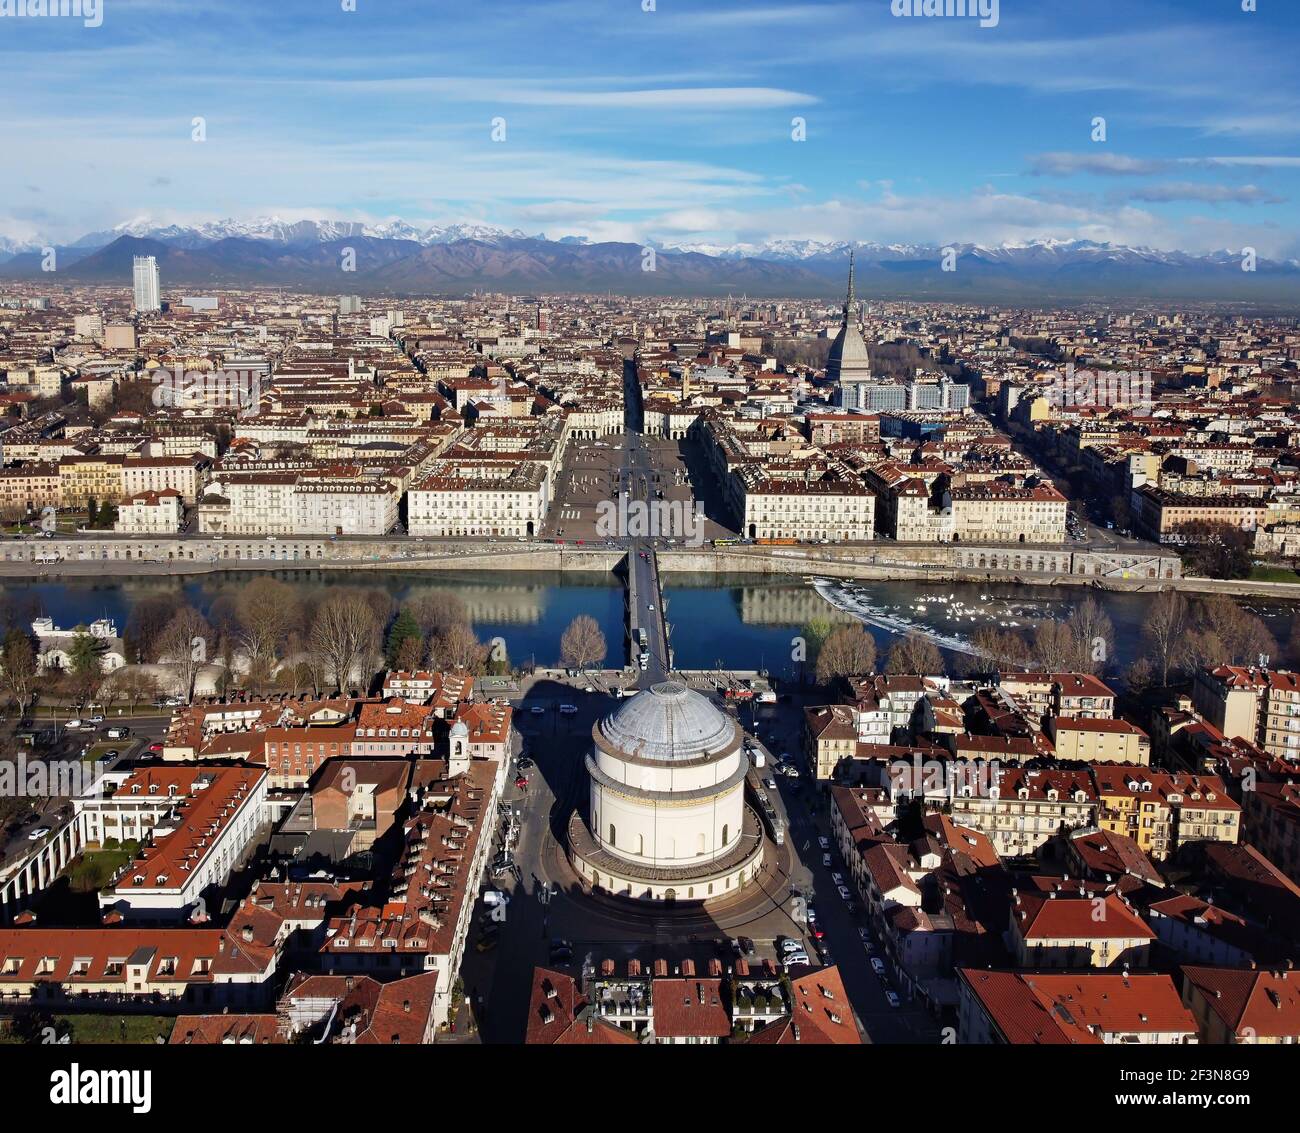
x=729 y=621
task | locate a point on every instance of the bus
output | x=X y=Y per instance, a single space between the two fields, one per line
x=725 y=542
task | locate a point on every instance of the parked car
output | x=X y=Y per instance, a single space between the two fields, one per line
x=524 y=763
x=569 y=709
x=826 y=860
x=878 y=965
x=838 y=878
x=845 y=895
x=891 y=997
x=37 y=834
x=788 y=945
x=824 y=843
x=488 y=940
x=537 y=710
x=796 y=958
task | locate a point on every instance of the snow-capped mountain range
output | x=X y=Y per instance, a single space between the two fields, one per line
x=281 y=231
x=396 y=256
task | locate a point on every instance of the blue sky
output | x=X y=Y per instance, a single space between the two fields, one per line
x=672 y=125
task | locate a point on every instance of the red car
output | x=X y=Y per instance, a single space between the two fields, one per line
x=155 y=748
x=521 y=781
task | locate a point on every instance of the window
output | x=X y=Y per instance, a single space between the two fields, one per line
x=612 y=840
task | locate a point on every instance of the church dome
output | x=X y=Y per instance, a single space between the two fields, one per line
x=668 y=723
x=848 y=351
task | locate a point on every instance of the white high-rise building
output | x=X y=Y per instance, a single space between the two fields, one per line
x=148 y=286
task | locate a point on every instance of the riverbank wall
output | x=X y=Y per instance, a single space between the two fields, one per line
x=1137 y=569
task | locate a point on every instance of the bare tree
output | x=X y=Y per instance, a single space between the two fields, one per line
x=1163 y=630
x=137 y=685
x=914 y=654
x=583 y=643
x=266 y=611
x=995 y=648
x=848 y=652
x=436 y=610
x=458 y=647
x=184 y=646
x=1241 y=635
x=344 y=634
x=20 y=668
x=1094 y=637
x=1056 y=648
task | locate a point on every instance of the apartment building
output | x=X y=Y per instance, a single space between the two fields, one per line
x=1235 y=1006
x=167 y=969
x=150 y=513
x=86 y=478
x=1079 y=1009
x=1162 y=811
x=183 y=475
x=196 y=823
x=1022 y=809
x=1002 y=513
x=1260 y=705
x=1172 y=517
x=29 y=488
x=1073 y=926
x=1085 y=740
x=458 y=499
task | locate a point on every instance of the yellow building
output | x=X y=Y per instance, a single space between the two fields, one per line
x=1099 y=741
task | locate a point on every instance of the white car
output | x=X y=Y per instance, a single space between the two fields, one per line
x=37 y=834
x=877 y=965
x=799 y=957
x=824 y=843
x=845 y=895
x=838 y=878
x=826 y=860
x=891 y=997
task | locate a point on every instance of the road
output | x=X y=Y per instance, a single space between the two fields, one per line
x=604 y=928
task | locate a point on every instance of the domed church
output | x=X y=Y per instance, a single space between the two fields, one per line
x=667 y=818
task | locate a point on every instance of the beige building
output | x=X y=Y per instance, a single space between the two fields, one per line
x=150 y=513
x=485 y=499
x=1000 y=513
x=1022 y=809
x=1260 y=705
x=1099 y=741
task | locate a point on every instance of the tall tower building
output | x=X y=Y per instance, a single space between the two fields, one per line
x=147 y=285
x=848 y=363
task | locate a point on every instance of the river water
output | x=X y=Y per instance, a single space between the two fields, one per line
x=728 y=621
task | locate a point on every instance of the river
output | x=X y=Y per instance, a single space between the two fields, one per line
x=732 y=621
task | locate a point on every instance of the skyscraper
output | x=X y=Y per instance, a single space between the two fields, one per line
x=148 y=287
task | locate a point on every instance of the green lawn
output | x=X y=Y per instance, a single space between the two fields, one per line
x=1273 y=574
x=90 y=872
x=130 y=1030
